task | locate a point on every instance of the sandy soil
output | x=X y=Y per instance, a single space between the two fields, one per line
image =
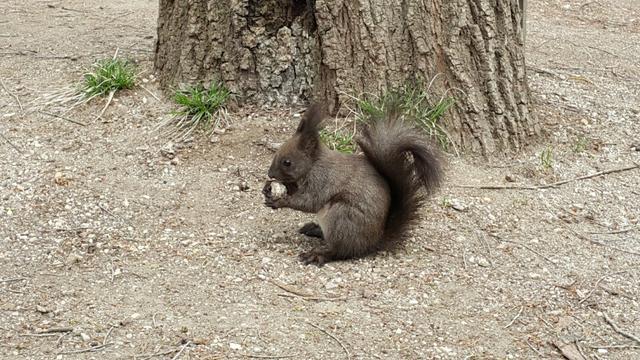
x=140 y=255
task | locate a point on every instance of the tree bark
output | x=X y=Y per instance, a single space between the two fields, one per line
x=283 y=51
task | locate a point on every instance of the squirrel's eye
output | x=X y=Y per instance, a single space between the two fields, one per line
x=286 y=162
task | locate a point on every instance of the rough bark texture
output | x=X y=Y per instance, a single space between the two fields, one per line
x=286 y=50
x=260 y=49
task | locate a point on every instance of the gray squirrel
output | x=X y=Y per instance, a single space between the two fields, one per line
x=364 y=202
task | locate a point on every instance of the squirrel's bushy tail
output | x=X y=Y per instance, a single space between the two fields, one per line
x=402 y=154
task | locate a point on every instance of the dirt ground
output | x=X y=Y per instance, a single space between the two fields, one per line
x=144 y=256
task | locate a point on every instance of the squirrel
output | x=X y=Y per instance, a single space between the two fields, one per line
x=364 y=202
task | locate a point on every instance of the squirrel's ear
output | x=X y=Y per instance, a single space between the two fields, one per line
x=310 y=123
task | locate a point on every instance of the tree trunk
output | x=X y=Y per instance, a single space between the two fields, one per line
x=284 y=51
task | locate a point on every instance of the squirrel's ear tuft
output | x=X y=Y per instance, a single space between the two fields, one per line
x=311 y=120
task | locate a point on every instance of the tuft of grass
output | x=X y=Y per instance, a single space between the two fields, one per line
x=201 y=108
x=445 y=202
x=108 y=76
x=105 y=77
x=413 y=103
x=546 y=158
x=339 y=140
x=580 y=145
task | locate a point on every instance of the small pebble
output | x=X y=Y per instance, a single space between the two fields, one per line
x=483 y=262
x=274 y=146
x=458 y=205
x=200 y=341
x=168 y=151
x=243 y=186
x=73 y=258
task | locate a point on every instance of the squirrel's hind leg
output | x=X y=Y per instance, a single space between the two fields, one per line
x=311 y=229
x=318 y=256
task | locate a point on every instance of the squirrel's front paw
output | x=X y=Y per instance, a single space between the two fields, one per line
x=274 y=193
x=273 y=203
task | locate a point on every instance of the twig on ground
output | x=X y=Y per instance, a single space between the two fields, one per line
x=577 y=342
x=569 y=351
x=62 y=118
x=74 y=10
x=54 y=57
x=334 y=338
x=620 y=331
x=290 y=289
x=55 y=330
x=59 y=341
x=314 y=298
x=597 y=284
x=12 y=94
x=546 y=323
x=149 y=356
x=110 y=213
x=583 y=237
x=181 y=350
x=614 y=232
x=482 y=239
x=514 y=318
x=523 y=246
x=534 y=349
x=11 y=144
x=111 y=93
x=107 y=211
x=112 y=270
x=150 y=93
x=616 y=292
x=106 y=337
x=546 y=71
x=12 y=280
x=503 y=166
x=464 y=258
x=497 y=187
x=618 y=249
x=39 y=335
x=302 y=294
x=552 y=185
x=587 y=4
x=81 y=351
x=593 y=48
x=622 y=346
x=268 y=356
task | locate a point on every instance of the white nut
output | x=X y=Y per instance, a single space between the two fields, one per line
x=278 y=190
